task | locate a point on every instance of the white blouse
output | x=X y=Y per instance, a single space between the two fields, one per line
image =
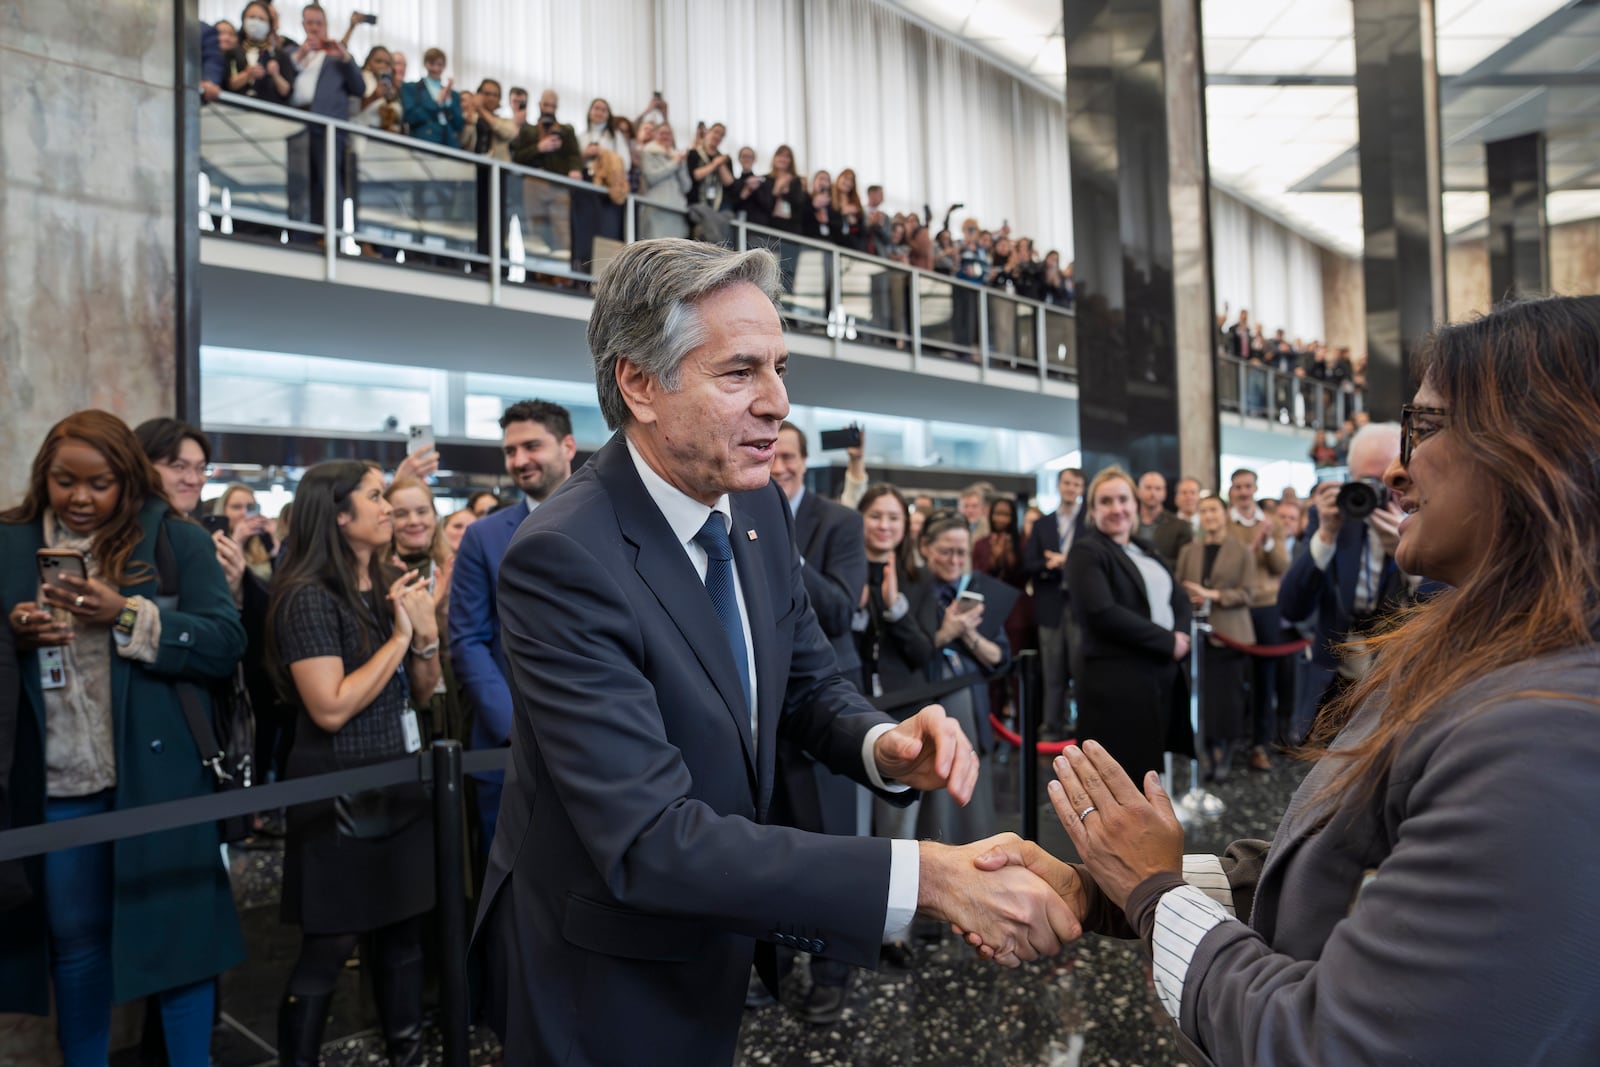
x=1157 y=585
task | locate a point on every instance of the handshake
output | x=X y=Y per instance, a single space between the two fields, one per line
x=1014 y=902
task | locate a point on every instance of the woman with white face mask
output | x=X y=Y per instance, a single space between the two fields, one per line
x=261 y=65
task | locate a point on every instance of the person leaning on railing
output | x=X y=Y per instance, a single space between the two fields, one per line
x=101 y=728
x=356 y=648
x=261 y=65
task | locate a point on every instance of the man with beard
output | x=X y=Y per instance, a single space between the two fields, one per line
x=536 y=437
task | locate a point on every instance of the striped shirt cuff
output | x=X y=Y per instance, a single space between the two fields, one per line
x=1183 y=918
x=1204 y=872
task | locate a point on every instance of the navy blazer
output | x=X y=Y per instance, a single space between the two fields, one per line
x=474 y=626
x=1049 y=594
x=1328 y=596
x=631 y=874
x=832 y=543
x=336 y=84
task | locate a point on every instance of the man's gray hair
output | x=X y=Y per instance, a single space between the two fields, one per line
x=1381 y=439
x=646 y=309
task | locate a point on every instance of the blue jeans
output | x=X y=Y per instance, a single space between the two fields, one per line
x=77 y=889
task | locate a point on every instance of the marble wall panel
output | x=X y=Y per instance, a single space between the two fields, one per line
x=1575 y=258
x=1467 y=279
x=1344 y=302
x=87 y=291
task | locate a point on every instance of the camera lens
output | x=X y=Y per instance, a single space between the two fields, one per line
x=1357 y=500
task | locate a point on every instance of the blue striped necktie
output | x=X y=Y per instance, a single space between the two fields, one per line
x=713 y=537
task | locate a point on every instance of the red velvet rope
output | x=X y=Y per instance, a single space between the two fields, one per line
x=1044 y=748
x=1264 y=651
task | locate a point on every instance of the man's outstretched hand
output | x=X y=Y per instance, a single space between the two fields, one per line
x=1008 y=908
x=928 y=751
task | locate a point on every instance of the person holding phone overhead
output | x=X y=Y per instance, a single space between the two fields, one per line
x=102 y=728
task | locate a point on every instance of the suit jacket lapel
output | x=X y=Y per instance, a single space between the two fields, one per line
x=762 y=605
x=664 y=566
x=807 y=520
x=1129 y=571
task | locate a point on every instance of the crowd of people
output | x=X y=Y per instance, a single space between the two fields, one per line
x=1278 y=395
x=697 y=187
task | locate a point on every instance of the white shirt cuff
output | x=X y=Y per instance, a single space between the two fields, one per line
x=1183 y=918
x=1205 y=873
x=1321 y=551
x=905 y=859
x=897 y=611
x=878 y=781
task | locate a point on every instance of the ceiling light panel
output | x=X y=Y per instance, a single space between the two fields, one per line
x=1240 y=18
x=1012 y=19
x=1286 y=55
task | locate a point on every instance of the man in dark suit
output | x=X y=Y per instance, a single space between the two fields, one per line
x=807 y=795
x=1044 y=560
x=1158 y=525
x=1344 y=578
x=327 y=80
x=536 y=437
x=659 y=636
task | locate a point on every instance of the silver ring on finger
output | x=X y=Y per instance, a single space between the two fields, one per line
x=1086 y=812
x=22 y=620
x=77 y=602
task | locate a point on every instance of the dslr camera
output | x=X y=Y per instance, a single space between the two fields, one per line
x=1362 y=497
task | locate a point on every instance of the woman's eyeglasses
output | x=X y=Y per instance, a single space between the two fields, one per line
x=1412 y=434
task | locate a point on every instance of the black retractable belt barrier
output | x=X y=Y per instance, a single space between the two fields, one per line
x=1029 y=696
x=452 y=900
x=928 y=692
x=173 y=814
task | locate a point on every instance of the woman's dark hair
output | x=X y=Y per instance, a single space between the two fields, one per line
x=1522 y=388
x=472 y=501
x=611 y=117
x=136 y=476
x=905 y=558
x=943 y=522
x=317 y=554
x=373 y=54
x=1011 y=509
x=162 y=438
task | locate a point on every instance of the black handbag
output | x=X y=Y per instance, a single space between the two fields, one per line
x=224 y=734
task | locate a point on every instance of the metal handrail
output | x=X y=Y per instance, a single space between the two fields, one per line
x=1280 y=387
x=499 y=172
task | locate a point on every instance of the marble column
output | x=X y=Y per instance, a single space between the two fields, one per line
x=87 y=145
x=1141 y=224
x=1397 y=103
x=1519 y=250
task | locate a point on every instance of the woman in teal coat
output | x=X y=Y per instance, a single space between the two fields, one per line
x=100 y=728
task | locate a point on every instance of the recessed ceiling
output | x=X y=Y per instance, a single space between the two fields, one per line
x=1291 y=148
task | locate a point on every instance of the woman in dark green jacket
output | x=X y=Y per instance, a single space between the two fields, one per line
x=100 y=728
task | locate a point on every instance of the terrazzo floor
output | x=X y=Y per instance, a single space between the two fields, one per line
x=1092 y=1005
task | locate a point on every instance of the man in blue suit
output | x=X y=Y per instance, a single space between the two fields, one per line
x=660 y=637
x=536 y=437
x=1344 y=577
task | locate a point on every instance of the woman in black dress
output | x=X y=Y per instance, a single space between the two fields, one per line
x=1133 y=693
x=357 y=650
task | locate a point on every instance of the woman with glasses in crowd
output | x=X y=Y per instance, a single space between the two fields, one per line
x=1433 y=893
x=356 y=648
x=1133 y=693
x=101 y=727
x=1218 y=573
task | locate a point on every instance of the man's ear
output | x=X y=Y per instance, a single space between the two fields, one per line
x=639 y=390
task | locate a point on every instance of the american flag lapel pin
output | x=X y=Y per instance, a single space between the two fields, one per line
x=750 y=534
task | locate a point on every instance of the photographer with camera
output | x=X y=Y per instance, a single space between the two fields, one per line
x=1345 y=578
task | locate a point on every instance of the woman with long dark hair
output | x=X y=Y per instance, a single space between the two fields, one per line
x=999 y=555
x=1433 y=893
x=356 y=649
x=102 y=728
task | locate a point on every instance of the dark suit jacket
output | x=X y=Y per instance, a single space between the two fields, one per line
x=831 y=542
x=210 y=55
x=903 y=647
x=1132 y=696
x=1049 y=596
x=1329 y=595
x=474 y=625
x=338 y=82
x=13 y=879
x=631 y=874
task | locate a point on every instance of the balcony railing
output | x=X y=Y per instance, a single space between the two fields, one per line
x=277 y=175
x=1254 y=390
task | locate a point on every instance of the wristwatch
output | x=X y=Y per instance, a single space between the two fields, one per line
x=127 y=619
x=426 y=653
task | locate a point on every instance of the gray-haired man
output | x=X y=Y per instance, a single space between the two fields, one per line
x=659 y=636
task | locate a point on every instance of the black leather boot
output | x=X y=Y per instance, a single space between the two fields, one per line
x=399 y=991
x=300 y=1023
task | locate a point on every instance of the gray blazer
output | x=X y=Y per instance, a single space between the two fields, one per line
x=1452 y=918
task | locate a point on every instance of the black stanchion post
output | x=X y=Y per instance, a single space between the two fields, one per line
x=452 y=899
x=1029 y=694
